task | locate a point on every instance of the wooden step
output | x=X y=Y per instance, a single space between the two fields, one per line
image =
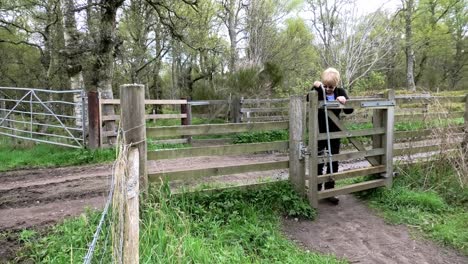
x=351 y=188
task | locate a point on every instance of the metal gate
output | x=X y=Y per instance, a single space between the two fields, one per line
x=46 y=116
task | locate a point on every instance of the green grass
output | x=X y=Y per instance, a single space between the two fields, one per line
x=409 y=126
x=429 y=199
x=46 y=155
x=233 y=226
x=263 y=136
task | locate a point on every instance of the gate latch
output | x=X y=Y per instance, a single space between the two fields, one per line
x=377 y=104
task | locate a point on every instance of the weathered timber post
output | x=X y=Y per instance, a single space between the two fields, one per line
x=132 y=104
x=235 y=110
x=313 y=146
x=185 y=121
x=296 y=161
x=94 y=122
x=465 y=138
x=132 y=214
x=388 y=140
x=385 y=118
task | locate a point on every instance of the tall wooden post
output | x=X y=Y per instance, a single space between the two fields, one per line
x=296 y=162
x=385 y=118
x=132 y=213
x=388 y=142
x=94 y=122
x=132 y=104
x=313 y=146
x=134 y=133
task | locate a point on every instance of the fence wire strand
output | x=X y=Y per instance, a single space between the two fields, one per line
x=117 y=195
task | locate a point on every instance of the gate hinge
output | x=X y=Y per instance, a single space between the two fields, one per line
x=304 y=151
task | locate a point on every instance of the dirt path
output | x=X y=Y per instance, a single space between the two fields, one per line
x=352 y=231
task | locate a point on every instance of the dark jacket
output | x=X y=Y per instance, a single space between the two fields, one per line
x=321 y=113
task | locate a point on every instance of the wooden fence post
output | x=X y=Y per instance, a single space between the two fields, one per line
x=388 y=140
x=385 y=118
x=465 y=138
x=94 y=122
x=313 y=146
x=185 y=121
x=235 y=110
x=132 y=213
x=296 y=162
x=133 y=124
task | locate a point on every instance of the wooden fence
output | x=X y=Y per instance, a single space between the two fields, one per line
x=220 y=150
x=417 y=139
x=184 y=115
x=380 y=155
x=420 y=135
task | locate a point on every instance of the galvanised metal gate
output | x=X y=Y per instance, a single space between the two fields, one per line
x=46 y=116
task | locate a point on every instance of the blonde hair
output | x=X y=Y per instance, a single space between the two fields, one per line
x=331 y=77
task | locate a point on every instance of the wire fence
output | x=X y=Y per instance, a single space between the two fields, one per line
x=111 y=223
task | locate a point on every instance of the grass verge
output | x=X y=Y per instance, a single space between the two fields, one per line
x=45 y=155
x=232 y=226
x=428 y=198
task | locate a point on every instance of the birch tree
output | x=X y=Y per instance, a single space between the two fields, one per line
x=73 y=48
x=347 y=40
x=230 y=14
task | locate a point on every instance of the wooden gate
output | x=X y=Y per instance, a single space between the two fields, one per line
x=379 y=154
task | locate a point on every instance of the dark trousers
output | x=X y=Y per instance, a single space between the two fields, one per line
x=335 y=149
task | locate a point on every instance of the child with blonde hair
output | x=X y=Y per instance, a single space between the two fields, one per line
x=328 y=90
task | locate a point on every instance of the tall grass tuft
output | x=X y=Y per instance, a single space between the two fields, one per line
x=428 y=198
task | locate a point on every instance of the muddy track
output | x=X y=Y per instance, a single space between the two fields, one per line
x=33 y=198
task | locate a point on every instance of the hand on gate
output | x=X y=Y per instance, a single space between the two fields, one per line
x=341 y=99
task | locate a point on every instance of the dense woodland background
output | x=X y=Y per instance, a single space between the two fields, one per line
x=213 y=49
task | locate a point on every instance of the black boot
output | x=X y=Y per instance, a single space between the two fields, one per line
x=334 y=200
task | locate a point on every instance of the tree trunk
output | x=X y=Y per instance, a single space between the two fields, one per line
x=104 y=57
x=73 y=65
x=232 y=21
x=409 y=46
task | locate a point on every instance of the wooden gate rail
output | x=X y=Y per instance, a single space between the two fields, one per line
x=217 y=129
x=217 y=171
